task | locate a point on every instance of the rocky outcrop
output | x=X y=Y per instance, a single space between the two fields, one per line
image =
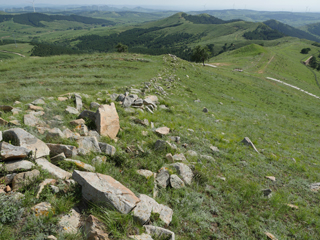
x=101 y=188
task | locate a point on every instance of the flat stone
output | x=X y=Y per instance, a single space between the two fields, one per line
x=43 y=184
x=163 y=178
x=58 y=158
x=107 y=148
x=176 y=182
x=82 y=165
x=53 y=169
x=214 y=149
x=18 y=165
x=272 y=178
x=42 y=209
x=138 y=102
x=32 y=121
x=68 y=150
x=159 y=233
x=163 y=130
x=184 y=171
x=248 y=142
x=88 y=144
x=107 y=121
x=69 y=223
x=20 y=137
x=3 y=122
x=152 y=98
x=145 y=173
x=94 y=229
x=143 y=236
x=72 y=110
x=101 y=188
x=11 y=152
x=24 y=179
x=35 y=108
x=69 y=134
x=94 y=134
x=62 y=99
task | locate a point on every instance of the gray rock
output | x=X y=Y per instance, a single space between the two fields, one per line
x=143 y=236
x=68 y=150
x=127 y=102
x=18 y=165
x=159 y=233
x=42 y=209
x=248 y=142
x=148 y=205
x=38 y=102
x=83 y=130
x=101 y=188
x=94 y=134
x=72 y=110
x=184 y=171
x=54 y=189
x=176 y=182
x=11 y=152
x=163 y=178
x=214 y=149
x=315 y=187
x=99 y=160
x=114 y=96
x=32 y=121
x=179 y=157
x=77 y=122
x=20 y=137
x=162 y=131
x=51 y=237
x=70 y=222
x=82 y=165
x=120 y=98
x=89 y=115
x=175 y=139
x=94 y=105
x=267 y=192
x=138 y=102
x=78 y=100
x=192 y=153
x=8 y=178
x=24 y=179
x=58 y=158
x=205 y=110
x=160 y=145
x=209 y=158
x=107 y=149
x=149 y=109
x=94 y=229
x=53 y=169
x=143 y=122
x=0 y=136
x=55 y=133
x=5 y=108
x=88 y=144
x=145 y=173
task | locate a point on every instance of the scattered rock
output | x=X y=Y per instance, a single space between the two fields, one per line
x=99 y=160
x=175 y=139
x=54 y=189
x=205 y=110
x=143 y=122
x=107 y=121
x=11 y=152
x=169 y=157
x=94 y=134
x=176 y=182
x=24 y=179
x=159 y=233
x=7 y=179
x=35 y=108
x=53 y=169
x=20 y=137
x=68 y=150
x=82 y=165
x=72 y=110
x=0 y=136
x=292 y=206
x=3 y=122
x=42 y=209
x=184 y=171
x=43 y=184
x=62 y=99
x=94 y=229
x=149 y=110
x=18 y=165
x=192 y=153
x=55 y=133
x=248 y=142
x=5 y=108
x=94 y=105
x=138 y=102
x=88 y=144
x=145 y=173
x=107 y=149
x=270 y=236
x=120 y=98
x=315 y=187
x=51 y=237
x=32 y=121
x=209 y=158
x=38 y=102
x=78 y=100
x=163 y=178
x=214 y=149
x=179 y=157
x=143 y=236
x=162 y=131
x=101 y=188
x=272 y=178
x=267 y=192
x=114 y=96
x=70 y=222
x=58 y=158
x=77 y=122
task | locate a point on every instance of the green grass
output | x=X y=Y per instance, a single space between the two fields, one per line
x=282 y=123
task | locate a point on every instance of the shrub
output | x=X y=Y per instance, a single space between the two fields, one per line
x=10 y=208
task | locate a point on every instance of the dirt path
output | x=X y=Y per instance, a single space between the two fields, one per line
x=13 y=53
x=262 y=70
x=295 y=87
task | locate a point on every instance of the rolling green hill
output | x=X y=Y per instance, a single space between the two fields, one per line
x=313 y=28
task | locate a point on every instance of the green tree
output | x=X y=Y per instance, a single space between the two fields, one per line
x=200 y=54
x=313 y=62
x=121 y=47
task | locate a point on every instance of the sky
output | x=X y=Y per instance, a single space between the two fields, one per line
x=270 y=5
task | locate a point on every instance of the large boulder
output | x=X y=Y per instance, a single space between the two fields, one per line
x=53 y=169
x=88 y=144
x=184 y=171
x=11 y=152
x=68 y=150
x=107 y=121
x=20 y=137
x=104 y=189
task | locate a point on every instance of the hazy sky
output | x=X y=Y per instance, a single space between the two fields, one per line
x=269 y=5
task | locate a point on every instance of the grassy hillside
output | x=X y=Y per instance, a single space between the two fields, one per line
x=281 y=121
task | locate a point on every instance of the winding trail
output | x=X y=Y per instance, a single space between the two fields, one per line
x=295 y=87
x=13 y=53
